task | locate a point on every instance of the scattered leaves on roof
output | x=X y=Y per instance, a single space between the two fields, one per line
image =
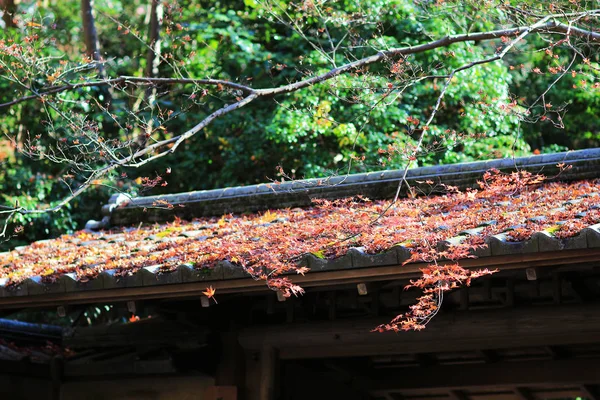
x=270 y=245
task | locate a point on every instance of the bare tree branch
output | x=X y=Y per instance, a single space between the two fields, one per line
x=546 y=25
x=129 y=80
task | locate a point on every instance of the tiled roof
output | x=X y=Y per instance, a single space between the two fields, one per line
x=330 y=235
x=374 y=185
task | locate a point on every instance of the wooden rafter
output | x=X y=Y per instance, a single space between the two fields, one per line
x=524 y=393
x=460 y=331
x=472 y=376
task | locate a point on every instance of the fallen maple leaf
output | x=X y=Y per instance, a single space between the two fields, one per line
x=210 y=293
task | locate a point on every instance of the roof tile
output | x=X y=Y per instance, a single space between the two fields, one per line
x=362 y=259
x=154 y=276
x=328 y=236
x=593 y=236
x=36 y=286
x=115 y=279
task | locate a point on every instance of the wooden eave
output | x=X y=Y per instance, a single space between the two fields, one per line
x=540 y=262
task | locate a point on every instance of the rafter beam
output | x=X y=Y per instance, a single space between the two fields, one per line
x=470 y=376
x=458 y=395
x=425 y=359
x=558 y=352
x=524 y=393
x=460 y=331
x=489 y=356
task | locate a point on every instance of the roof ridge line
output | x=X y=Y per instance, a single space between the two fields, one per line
x=122 y=209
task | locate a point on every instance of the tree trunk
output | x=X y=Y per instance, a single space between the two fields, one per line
x=90 y=36
x=8 y=12
x=153 y=56
x=152 y=62
x=92 y=50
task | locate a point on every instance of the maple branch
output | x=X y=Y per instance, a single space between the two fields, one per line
x=177 y=140
x=130 y=80
x=551 y=85
x=89 y=182
x=438 y=102
x=128 y=161
x=547 y=26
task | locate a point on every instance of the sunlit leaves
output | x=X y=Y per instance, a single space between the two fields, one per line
x=269 y=246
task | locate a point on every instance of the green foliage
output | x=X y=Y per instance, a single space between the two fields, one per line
x=38 y=190
x=574 y=97
x=23 y=187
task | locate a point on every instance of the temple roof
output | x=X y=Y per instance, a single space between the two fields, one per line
x=505 y=214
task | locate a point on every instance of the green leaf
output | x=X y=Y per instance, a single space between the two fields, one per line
x=318 y=254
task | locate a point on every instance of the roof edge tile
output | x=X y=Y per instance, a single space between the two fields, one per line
x=121 y=210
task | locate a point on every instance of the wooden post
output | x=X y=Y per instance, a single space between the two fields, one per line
x=267 y=373
x=510 y=292
x=230 y=371
x=221 y=393
x=556 y=288
x=56 y=374
x=332 y=305
x=260 y=374
x=464 y=297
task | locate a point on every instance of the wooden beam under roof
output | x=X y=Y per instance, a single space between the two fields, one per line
x=472 y=376
x=457 y=331
x=524 y=393
x=458 y=395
